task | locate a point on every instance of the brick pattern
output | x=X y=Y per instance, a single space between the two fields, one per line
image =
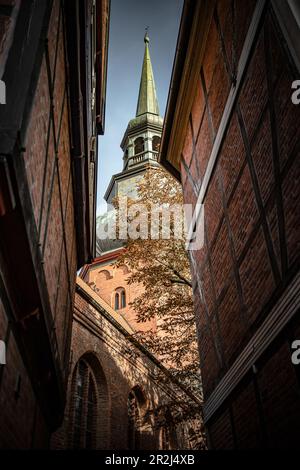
x=119 y=367
x=18 y=403
x=106 y=279
x=264 y=411
x=48 y=167
x=251 y=246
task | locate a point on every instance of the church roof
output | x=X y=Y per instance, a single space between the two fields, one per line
x=147 y=102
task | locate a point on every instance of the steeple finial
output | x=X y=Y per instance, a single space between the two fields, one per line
x=147 y=102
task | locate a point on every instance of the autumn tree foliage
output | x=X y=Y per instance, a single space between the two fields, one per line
x=162 y=267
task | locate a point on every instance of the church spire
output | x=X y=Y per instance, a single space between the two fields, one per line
x=147 y=102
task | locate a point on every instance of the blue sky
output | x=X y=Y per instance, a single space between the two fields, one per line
x=128 y=21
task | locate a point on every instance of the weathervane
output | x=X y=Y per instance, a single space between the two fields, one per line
x=146 y=37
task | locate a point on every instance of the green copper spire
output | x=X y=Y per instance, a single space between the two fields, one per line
x=147 y=102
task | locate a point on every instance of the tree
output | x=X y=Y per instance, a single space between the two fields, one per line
x=162 y=267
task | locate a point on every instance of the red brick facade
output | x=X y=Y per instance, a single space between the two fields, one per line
x=120 y=366
x=240 y=158
x=44 y=196
x=108 y=280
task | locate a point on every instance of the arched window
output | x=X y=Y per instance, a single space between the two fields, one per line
x=156 y=143
x=88 y=423
x=85 y=407
x=119 y=298
x=117 y=301
x=139 y=145
x=123 y=299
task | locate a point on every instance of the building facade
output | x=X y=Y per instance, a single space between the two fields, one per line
x=110 y=282
x=53 y=57
x=120 y=396
x=231 y=136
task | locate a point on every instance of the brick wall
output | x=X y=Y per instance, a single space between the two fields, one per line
x=17 y=398
x=251 y=249
x=48 y=174
x=106 y=278
x=120 y=367
x=7 y=24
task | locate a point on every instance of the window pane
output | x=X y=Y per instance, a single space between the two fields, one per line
x=81 y=378
x=123 y=299
x=91 y=415
x=117 y=302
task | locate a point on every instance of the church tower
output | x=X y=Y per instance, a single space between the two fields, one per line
x=140 y=144
x=142 y=137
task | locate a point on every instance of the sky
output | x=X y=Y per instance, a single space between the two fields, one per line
x=128 y=21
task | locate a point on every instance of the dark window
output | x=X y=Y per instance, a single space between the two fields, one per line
x=123 y=299
x=79 y=391
x=90 y=421
x=117 y=301
x=156 y=143
x=139 y=145
x=85 y=407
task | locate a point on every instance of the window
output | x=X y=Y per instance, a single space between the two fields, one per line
x=120 y=298
x=139 y=145
x=156 y=143
x=123 y=299
x=117 y=301
x=85 y=407
x=90 y=421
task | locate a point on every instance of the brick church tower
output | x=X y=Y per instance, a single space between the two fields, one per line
x=140 y=144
